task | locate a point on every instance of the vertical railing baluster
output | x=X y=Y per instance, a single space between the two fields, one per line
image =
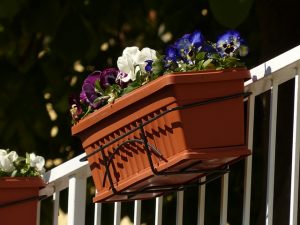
x=271 y=153
x=97 y=216
x=56 y=196
x=137 y=212
x=117 y=213
x=77 y=200
x=224 y=199
x=179 y=208
x=158 y=210
x=295 y=155
x=248 y=162
x=201 y=202
x=38 y=217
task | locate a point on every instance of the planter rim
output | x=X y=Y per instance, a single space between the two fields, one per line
x=24 y=182
x=157 y=84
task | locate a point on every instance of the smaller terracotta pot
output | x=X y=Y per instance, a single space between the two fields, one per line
x=19 y=200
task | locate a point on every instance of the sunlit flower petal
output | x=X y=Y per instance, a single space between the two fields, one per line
x=6 y=165
x=3 y=152
x=12 y=156
x=36 y=161
x=196 y=39
x=126 y=65
x=229 y=42
x=75 y=107
x=133 y=60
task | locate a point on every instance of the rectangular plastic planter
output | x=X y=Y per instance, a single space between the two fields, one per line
x=19 y=200
x=203 y=137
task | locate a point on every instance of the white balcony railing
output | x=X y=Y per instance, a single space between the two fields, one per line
x=268 y=77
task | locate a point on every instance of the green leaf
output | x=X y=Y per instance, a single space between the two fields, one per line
x=14 y=173
x=101 y=98
x=206 y=63
x=200 y=55
x=98 y=88
x=158 y=65
x=131 y=87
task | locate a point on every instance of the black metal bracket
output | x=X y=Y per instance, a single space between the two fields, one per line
x=107 y=160
x=24 y=200
x=211 y=176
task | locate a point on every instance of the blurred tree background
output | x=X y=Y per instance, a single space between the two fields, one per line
x=48 y=47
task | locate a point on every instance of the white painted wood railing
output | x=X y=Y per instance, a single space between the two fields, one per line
x=73 y=174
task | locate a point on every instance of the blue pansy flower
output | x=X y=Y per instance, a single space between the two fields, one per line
x=183 y=46
x=171 y=53
x=148 y=66
x=196 y=39
x=228 y=43
x=189 y=44
x=209 y=49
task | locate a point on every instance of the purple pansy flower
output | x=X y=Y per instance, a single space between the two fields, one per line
x=108 y=77
x=119 y=79
x=88 y=86
x=88 y=93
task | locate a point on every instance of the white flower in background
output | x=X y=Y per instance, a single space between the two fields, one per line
x=3 y=152
x=133 y=60
x=13 y=156
x=37 y=162
x=6 y=161
x=13 y=165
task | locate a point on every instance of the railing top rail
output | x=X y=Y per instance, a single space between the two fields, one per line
x=288 y=60
x=59 y=175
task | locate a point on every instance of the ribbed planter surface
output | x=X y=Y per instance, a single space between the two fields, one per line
x=202 y=137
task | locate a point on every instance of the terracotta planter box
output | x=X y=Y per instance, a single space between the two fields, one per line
x=18 y=200
x=203 y=137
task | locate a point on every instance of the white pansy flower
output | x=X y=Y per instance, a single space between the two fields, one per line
x=145 y=54
x=133 y=52
x=6 y=165
x=12 y=156
x=133 y=60
x=11 y=164
x=3 y=152
x=126 y=62
x=37 y=161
